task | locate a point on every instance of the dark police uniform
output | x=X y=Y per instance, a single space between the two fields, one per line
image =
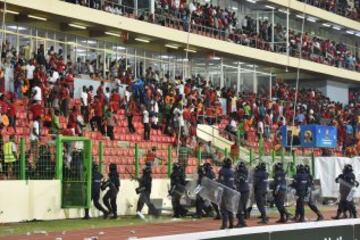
x=95 y=192
x=201 y=208
x=177 y=184
x=303 y=183
x=242 y=186
x=113 y=183
x=260 y=190
x=144 y=189
x=226 y=177
x=279 y=192
x=347 y=182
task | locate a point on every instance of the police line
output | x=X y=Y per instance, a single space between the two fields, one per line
x=347 y=229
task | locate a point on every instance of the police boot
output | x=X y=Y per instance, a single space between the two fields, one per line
x=264 y=220
x=248 y=212
x=353 y=214
x=320 y=216
x=295 y=218
x=241 y=222
x=217 y=217
x=231 y=222
x=301 y=219
x=224 y=224
x=338 y=212
x=86 y=217
x=282 y=218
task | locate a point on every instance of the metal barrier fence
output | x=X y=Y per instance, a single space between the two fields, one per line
x=37 y=160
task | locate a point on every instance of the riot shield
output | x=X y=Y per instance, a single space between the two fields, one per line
x=210 y=190
x=219 y=194
x=352 y=190
x=231 y=199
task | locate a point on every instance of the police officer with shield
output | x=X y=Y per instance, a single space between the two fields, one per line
x=347 y=183
x=303 y=184
x=242 y=186
x=311 y=203
x=177 y=184
x=278 y=187
x=144 y=191
x=260 y=190
x=203 y=207
x=226 y=177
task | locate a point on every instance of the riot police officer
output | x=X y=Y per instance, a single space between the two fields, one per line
x=95 y=192
x=177 y=184
x=204 y=207
x=144 y=191
x=279 y=192
x=310 y=202
x=260 y=190
x=242 y=186
x=226 y=177
x=302 y=184
x=113 y=185
x=347 y=183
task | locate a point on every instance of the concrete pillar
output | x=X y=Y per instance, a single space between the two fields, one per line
x=255 y=80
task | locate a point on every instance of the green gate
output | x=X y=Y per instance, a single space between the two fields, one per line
x=73 y=169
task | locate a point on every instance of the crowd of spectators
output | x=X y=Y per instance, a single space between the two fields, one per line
x=224 y=23
x=45 y=83
x=346 y=8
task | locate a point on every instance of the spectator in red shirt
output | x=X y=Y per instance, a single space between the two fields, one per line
x=36 y=110
x=3 y=104
x=100 y=89
x=69 y=79
x=97 y=119
x=151 y=155
x=115 y=99
x=130 y=112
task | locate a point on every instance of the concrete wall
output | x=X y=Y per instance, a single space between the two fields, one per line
x=337 y=91
x=41 y=199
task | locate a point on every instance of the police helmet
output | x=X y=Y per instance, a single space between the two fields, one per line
x=207 y=165
x=262 y=166
x=176 y=166
x=112 y=167
x=227 y=163
x=300 y=168
x=279 y=166
x=95 y=166
x=348 y=168
x=241 y=166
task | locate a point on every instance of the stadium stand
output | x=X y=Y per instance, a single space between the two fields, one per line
x=43 y=91
x=215 y=22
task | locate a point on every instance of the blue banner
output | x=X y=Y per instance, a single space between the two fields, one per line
x=309 y=136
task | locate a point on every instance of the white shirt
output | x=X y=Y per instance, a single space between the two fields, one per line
x=35 y=128
x=145 y=116
x=84 y=98
x=30 y=71
x=127 y=95
x=38 y=95
x=107 y=96
x=260 y=127
x=179 y=116
x=181 y=88
x=55 y=76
